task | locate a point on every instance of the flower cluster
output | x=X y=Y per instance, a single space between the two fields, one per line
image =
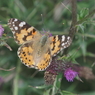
x=58 y=66
x=1 y=30
x=68 y=69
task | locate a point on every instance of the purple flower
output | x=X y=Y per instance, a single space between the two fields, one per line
x=70 y=74
x=69 y=70
x=1 y=30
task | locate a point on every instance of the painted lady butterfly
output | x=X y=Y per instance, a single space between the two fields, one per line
x=36 y=50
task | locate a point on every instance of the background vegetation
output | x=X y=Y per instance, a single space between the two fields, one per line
x=25 y=81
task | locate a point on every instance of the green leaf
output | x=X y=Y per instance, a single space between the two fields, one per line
x=83 y=13
x=67 y=93
x=47 y=92
x=83 y=47
x=80 y=27
x=57 y=84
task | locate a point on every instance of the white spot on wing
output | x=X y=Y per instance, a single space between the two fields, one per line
x=13 y=25
x=54 y=55
x=63 y=38
x=61 y=49
x=15 y=20
x=16 y=41
x=62 y=44
x=16 y=28
x=58 y=52
x=11 y=28
x=22 y=24
x=68 y=38
x=19 y=49
x=13 y=32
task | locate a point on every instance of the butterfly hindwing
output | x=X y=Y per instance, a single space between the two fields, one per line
x=38 y=58
x=58 y=43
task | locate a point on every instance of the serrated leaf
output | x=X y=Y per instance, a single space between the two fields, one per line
x=83 y=13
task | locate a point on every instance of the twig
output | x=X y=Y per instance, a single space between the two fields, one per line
x=74 y=18
x=8 y=46
x=7 y=69
x=66 y=6
x=72 y=29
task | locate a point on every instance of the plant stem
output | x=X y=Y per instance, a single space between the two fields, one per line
x=16 y=78
x=72 y=30
x=57 y=84
x=54 y=87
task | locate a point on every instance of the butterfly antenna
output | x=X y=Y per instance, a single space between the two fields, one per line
x=43 y=23
x=44 y=28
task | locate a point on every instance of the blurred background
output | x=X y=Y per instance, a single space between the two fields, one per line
x=56 y=18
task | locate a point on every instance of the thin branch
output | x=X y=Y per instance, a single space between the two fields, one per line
x=65 y=5
x=8 y=46
x=7 y=69
x=72 y=30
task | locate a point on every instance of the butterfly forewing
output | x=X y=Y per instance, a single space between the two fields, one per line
x=22 y=31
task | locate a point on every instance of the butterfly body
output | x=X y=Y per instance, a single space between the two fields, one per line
x=36 y=50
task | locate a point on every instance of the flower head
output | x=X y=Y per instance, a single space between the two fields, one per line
x=70 y=74
x=53 y=70
x=86 y=72
x=49 y=77
x=1 y=30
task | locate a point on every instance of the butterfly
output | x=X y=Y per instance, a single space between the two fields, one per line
x=36 y=50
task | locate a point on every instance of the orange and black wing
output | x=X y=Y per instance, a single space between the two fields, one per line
x=22 y=31
x=58 y=43
x=29 y=56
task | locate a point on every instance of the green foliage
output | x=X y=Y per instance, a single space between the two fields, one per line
x=25 y=81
